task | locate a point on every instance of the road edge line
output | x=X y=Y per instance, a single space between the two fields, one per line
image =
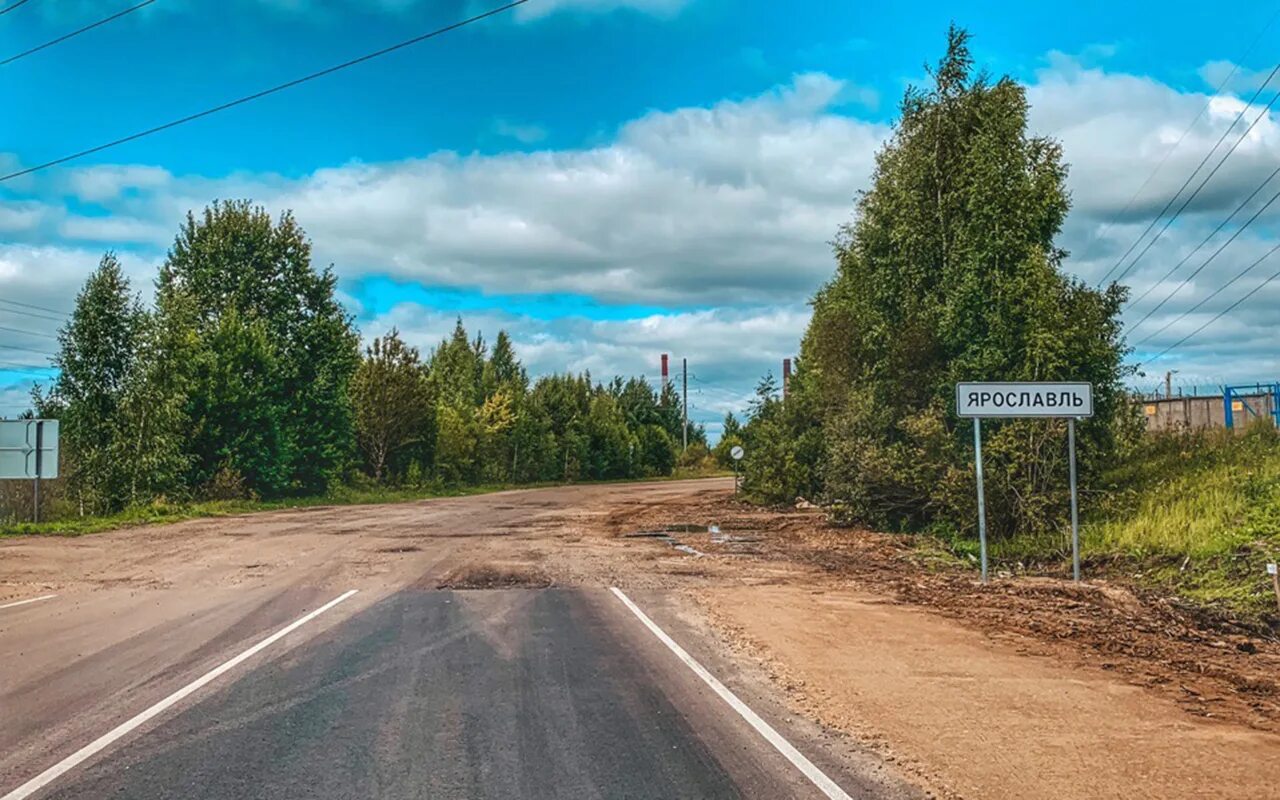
x=28 y=600
x=88 y=751
x=816 y=776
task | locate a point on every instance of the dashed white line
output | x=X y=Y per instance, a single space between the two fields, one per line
x=29 y=600
x=88 y=751
x=816 y=776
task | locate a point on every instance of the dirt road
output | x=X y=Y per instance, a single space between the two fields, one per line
x=483 y=653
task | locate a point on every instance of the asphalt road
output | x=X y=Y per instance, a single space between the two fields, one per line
x=399 y=692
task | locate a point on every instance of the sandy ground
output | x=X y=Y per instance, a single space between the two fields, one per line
x=1020 y=689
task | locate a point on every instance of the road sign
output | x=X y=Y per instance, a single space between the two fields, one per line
x=18 y=438
x=737 y=452
x=986 y=400
x=1024 y=399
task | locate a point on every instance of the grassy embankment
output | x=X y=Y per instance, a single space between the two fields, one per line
x=1194 y=514
x=162 y=513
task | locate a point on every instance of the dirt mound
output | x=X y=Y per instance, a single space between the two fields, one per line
x=489 y=576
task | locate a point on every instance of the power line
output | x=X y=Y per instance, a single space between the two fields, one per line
x=1205 y=241
x=74 y=33
x=274 y=89
x=1198 y=269
x=1266 y=109
x=30 y=314
x=1209 y=297
x=1217 y=317
x=28 y=333
x=1188 y=181
x=11 y=366
x=1208 y=104
x=28 y=350
x=37 y=308
x=9 y=8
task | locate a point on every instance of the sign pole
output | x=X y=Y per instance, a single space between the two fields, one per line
x=1075 y=504
x=982 y=502
x=35 y=493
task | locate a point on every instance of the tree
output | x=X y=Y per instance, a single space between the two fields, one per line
x=234 y=259
x=950 y=273
x=96 y=359
x=392 y=402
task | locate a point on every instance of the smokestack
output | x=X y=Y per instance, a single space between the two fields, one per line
x=664 y=369
x=786 y=377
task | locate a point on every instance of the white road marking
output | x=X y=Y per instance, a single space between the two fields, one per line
x=88 y=751
x=797 y=759
x=29 y=600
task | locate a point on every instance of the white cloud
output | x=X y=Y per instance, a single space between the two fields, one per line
x=729 y=206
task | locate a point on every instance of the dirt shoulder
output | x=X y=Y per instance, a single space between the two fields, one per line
x=1022 y=688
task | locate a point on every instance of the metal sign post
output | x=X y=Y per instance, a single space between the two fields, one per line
x=1021 y=400
x=982 y=497
x=35 y=491
x=736 y=453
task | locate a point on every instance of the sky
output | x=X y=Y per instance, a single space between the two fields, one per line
x=609 y=180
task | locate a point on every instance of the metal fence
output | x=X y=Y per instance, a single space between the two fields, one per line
x=1232 y=407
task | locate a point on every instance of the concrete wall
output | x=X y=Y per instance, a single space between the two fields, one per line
x=1196 y=413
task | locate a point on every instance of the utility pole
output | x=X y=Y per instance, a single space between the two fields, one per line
x=1168 y=384
x=684 y=363
x=786 y=378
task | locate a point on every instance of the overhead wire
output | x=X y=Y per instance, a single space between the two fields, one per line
x=1169 y=222
x=28 y=333
x=1215 y=318
x=1207 y=261
x=265 y=92
x=35 y=307
x=1191 y=126
x=1204 y=241
x=77 y=32
x=1207 y=298
x=31 y=314
x=12 y=6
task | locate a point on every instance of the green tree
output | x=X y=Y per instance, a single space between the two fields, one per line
x=392 y=402
x=234 y=259
x=97 y=358
x=950 y=273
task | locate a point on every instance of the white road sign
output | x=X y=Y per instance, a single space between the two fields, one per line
x=18 y=448
x=1024 y=399
x=737 y=452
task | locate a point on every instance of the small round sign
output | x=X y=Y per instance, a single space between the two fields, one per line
x=737 y=452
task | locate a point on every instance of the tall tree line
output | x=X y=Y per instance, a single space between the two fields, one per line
x=247 y=379
x=468 y=413
x=949 y=273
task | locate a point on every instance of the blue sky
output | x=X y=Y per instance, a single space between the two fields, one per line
x=610 y=179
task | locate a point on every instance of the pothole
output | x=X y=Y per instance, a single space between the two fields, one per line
x=488 y=576
x=408 y=548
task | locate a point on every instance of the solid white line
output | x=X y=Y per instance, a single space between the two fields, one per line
x=29 y=600
x=797 y=759
x=88 y=751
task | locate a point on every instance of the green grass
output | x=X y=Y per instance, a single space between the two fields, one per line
x=1194 y=514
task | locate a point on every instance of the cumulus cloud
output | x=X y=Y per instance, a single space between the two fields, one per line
x=720 y=213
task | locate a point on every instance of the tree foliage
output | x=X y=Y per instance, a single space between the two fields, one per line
x=949 y=273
